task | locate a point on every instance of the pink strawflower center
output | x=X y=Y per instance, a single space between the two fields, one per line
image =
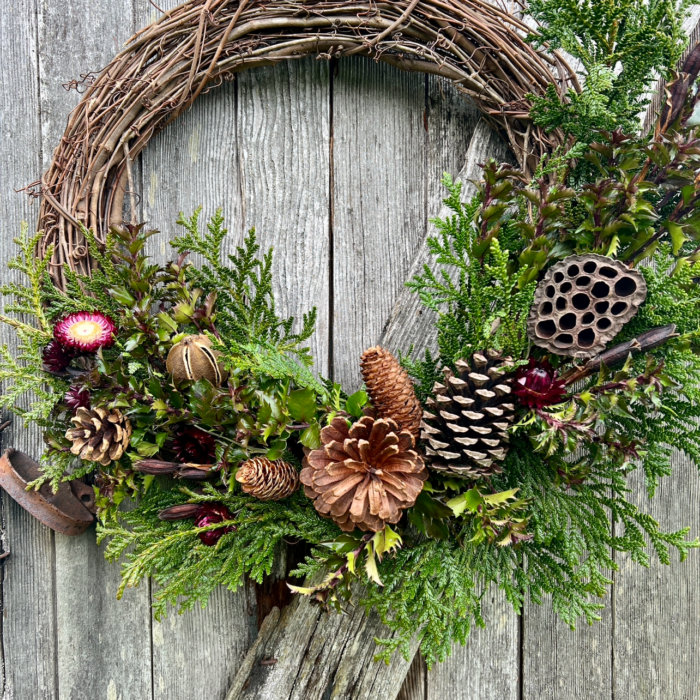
x=85 y=331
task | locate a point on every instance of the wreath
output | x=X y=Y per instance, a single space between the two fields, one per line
x=565 y=360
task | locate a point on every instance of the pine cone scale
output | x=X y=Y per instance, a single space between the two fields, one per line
x=367 y=480
x=100 y=435
x=390 y=389
x=465 y=427
x=267 y=480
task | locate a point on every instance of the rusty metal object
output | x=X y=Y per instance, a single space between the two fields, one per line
x=62 y=511
x=582 y=303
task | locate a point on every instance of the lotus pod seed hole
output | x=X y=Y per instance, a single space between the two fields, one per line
x=588 y=318
x=625 y=287
x=619 y=307
x=583 y=281
x=600 y=290
x=564 y=340
x=558 y=277
x=561 y=304
x=573 y=270
x=567 y=322
x=603 y=324
x=565 y=288
x=581 y=301
x=589 y=267
x=602 y=306
x=546 y=308
x=546 y=329
x=550 y=291
x=586 y=338
x=608 y=272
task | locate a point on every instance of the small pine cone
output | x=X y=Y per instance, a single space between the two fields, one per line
x=266 y=480
x=390 y=389
x=100 y=435
x=365 y=475
x=465 y=429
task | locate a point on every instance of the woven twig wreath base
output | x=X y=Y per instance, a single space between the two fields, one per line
x=167 y=65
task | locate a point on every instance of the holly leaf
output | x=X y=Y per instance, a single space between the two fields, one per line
x=302 y=405
x=311 y=437
x=355 y=403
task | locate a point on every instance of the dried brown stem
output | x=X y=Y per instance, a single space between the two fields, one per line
x=619 y=353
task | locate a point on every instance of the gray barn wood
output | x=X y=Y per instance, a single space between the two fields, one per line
x=338 y=167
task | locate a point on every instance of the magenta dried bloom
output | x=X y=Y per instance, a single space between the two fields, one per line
x=210 y=514
x=86 y=331
x=55 y=357
x=77 y=398
x=539 y=385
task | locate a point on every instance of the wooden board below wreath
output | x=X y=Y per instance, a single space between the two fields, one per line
x=261 y=150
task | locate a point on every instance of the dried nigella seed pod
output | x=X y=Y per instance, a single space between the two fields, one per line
x=193 y=359
x=582 y=303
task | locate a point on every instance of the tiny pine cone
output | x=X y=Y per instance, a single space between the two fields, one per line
x=390 y=389
x=267 y=480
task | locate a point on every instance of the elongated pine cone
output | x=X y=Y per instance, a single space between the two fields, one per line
x=100 y=435
x=364 y=475
x=266 y=480
x=390 y=389
x=465 y=428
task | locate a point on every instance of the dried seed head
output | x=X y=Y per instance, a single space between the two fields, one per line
x=193 y=359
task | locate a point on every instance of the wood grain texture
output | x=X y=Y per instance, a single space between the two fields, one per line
x=414 y=686
x=559 y=663
x=103 y=645
x=196 y=655
x=487 y=667
x=307 y=654
x=656 y=649
x=379 y=157
x=284 y=145
x=28 y=625
x=410 y=323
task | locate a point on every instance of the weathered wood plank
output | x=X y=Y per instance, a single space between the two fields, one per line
x=379 y=160
x=28 y=626
x=487 y=667
x=413 y=687
x=656 y=648
x=196 y=655
x=410 y=323
x=307 y=654
x=560 y=663
x=284 y=146
x=104 y=646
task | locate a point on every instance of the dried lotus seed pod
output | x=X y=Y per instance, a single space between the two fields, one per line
x=193 y=359
x=582 y=303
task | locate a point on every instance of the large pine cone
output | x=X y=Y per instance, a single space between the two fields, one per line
x=390 y=389
x=365 y=475
x=100 y=435
x=266 y=480
x=466 y=432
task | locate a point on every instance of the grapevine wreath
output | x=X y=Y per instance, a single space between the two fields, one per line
x=566 y=359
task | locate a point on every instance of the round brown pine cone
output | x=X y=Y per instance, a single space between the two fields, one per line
x=100 y=435
x=465 y=429
x=390 y=389
x=364 y=475
x=266 y=480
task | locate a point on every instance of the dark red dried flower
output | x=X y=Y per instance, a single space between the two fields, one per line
x=86 y=331
x=539 y=385
x=210 y=514
x=56 y=358
x=194 y=446
x=77 y=398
